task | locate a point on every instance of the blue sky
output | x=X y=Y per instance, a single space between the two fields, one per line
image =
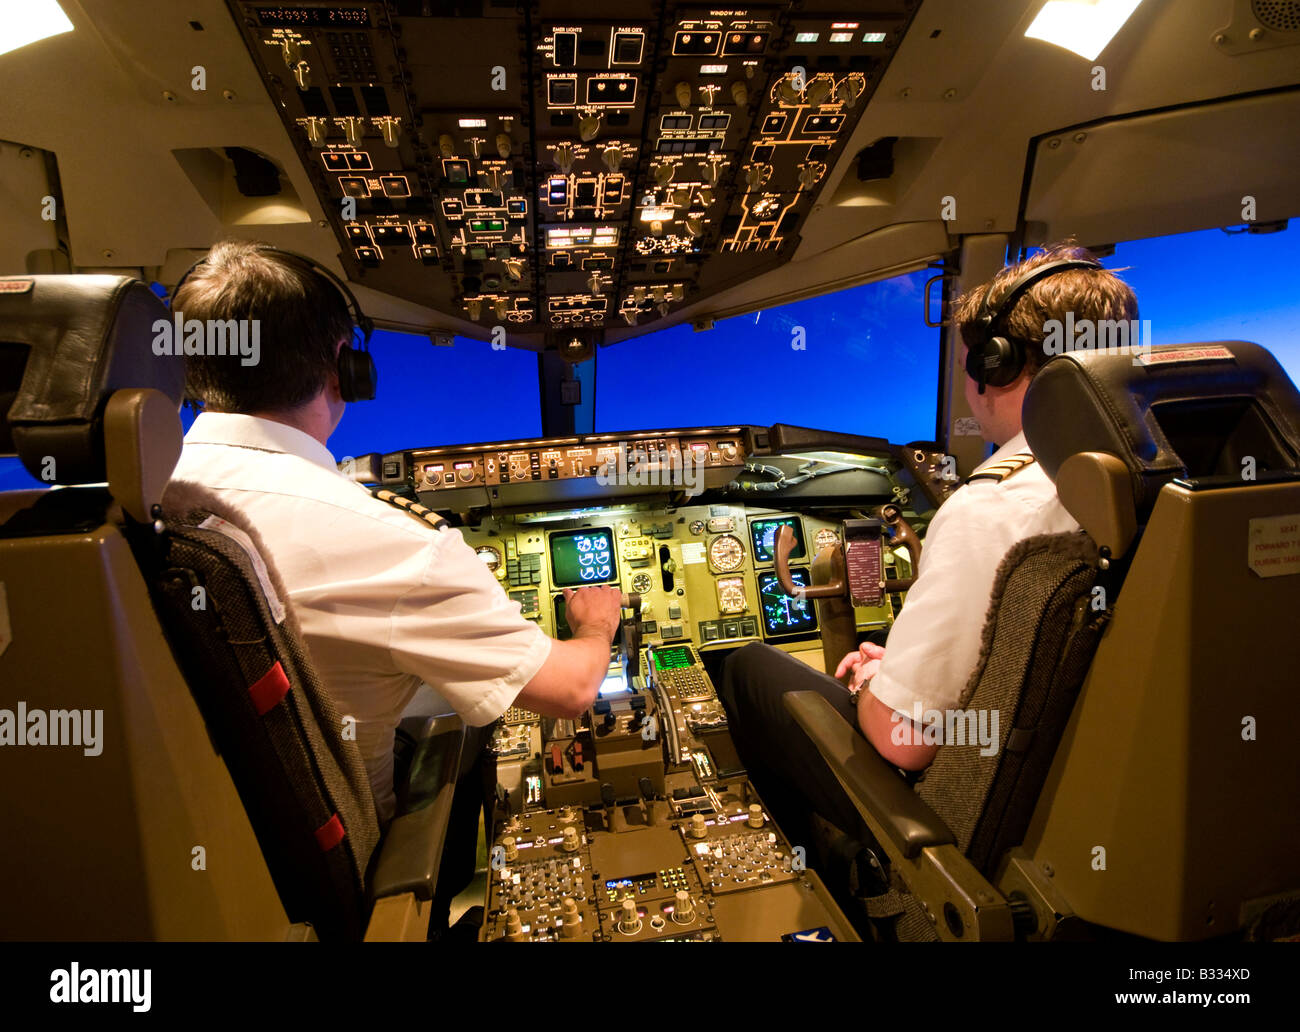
x=860 y=360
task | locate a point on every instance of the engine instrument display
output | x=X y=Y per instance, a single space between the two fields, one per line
x=726 y=553
x=783 y=614
x=763 y=534
x=582 y=557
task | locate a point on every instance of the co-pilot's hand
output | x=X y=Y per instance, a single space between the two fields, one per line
x=863 y=663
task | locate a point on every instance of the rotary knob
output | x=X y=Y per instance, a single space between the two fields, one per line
x=698 y=828
x=570 y=917
x=755 y=815
x=613 y=158
x=683 y=93
x=570 y=841
x=588 y=127
x=629 y=921
x=740 y=93
x=564 y=157
x=819 y=91
x=355 y=130
x=512 y=852
x=317 y=130
x=504 y=144
x=446 y=146
x=391 y=130
x=514 y=926
x=683 y=908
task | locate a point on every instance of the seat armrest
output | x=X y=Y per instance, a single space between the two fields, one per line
x=871 y=782
x=412 y=850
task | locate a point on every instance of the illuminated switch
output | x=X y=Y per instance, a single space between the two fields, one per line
x=395 y=186
x=335 y=161
x=354 y=186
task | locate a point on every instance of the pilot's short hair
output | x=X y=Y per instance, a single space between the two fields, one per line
x=301 y=319
x=1093 y=294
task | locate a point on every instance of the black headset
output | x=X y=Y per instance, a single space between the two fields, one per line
x=358 y=376
x=997 y=360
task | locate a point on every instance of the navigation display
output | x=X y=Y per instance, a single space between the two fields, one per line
x=783 y=614
x=582 y=557
x=763 y=534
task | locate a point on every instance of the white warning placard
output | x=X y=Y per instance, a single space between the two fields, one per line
x=1273 y=545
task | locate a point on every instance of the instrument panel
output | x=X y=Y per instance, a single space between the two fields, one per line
x=712 y=589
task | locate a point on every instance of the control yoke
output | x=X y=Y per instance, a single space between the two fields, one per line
x=784 y=546
x=902 y=535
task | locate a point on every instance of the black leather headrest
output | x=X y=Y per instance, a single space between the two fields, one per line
x=75 y=340
x=1200 y=395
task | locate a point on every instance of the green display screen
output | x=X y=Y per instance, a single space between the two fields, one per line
x=675 y=658
x=763 y=534
x=582 y=557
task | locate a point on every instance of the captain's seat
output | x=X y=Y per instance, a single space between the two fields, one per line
x=204 y=790
x=1148 y=788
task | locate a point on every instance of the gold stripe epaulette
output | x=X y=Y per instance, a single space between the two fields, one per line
x=1003 y=468
x=420 y=512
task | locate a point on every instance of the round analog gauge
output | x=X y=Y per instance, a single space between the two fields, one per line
x=697 y=526
x=825 y=537
x=731 y=594
x=491 y=557
x=726 y=553
x=641 y=583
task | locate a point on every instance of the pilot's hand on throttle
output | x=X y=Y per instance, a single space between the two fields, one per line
x=599 y=608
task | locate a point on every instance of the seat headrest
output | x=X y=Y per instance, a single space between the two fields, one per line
x=1187 y=410
x=67 y=343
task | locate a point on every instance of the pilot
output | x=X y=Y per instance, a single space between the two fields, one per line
x=385 y=601
x=934 y=644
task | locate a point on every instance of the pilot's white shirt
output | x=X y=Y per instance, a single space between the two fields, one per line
x=935 y=641
x=384 y=601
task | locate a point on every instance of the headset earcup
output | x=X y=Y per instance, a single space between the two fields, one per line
x=1003 y=361
x=357 y=375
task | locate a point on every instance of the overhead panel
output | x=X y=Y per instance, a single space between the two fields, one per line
x=544 y=171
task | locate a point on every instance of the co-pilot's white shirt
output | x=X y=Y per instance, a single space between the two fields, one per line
x=385 y=601
x=935 y=642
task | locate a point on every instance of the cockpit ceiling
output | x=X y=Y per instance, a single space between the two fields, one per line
x=538 y=171
x=553 y=169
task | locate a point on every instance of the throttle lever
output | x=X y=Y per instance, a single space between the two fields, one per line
x=630 y=650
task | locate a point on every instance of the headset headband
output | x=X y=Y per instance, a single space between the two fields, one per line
x=988 y=319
